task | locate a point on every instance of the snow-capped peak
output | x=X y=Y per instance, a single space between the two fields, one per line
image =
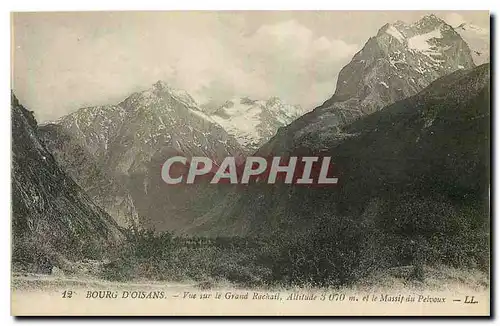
x=430 y=40
x=179 y=94
x=428 y=21
x=422 y=42
x=394 y=32
x=252 y=121
x=424 y=45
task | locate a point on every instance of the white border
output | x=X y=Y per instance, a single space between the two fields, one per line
x=93 y=5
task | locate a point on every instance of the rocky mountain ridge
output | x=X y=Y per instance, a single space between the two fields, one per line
x=397 y=63
x=128 y=143
x=54 y=222
x=432 y=147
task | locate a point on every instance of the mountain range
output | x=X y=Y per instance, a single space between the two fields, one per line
x=396 y=64
x=129 y=142
x=115 y=152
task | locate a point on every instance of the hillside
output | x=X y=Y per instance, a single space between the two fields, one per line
x=433 y=147
x=53 y=221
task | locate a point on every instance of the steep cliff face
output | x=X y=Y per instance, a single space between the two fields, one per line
x=397 y=63
x=83 y=167
x=52 y=218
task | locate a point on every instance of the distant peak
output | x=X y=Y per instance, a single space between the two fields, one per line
x=13 y=98
x=383 y=29
x=247 y=100
x=393 y=31
x=274 y=100
x=399 y=24
x=178 y=94
x=430 y=17
x=160 y=84
x=430 y=20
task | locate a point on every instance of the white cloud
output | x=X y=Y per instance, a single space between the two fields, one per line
x=454 y=19
x=285 y=59
x=64 y=62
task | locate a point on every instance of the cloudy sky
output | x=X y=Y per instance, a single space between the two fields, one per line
x=64 y=61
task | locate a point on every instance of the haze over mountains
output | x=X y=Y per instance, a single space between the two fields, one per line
x=254 y=122
x=478 y=39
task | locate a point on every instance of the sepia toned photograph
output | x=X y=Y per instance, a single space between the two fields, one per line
x=250 y=163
